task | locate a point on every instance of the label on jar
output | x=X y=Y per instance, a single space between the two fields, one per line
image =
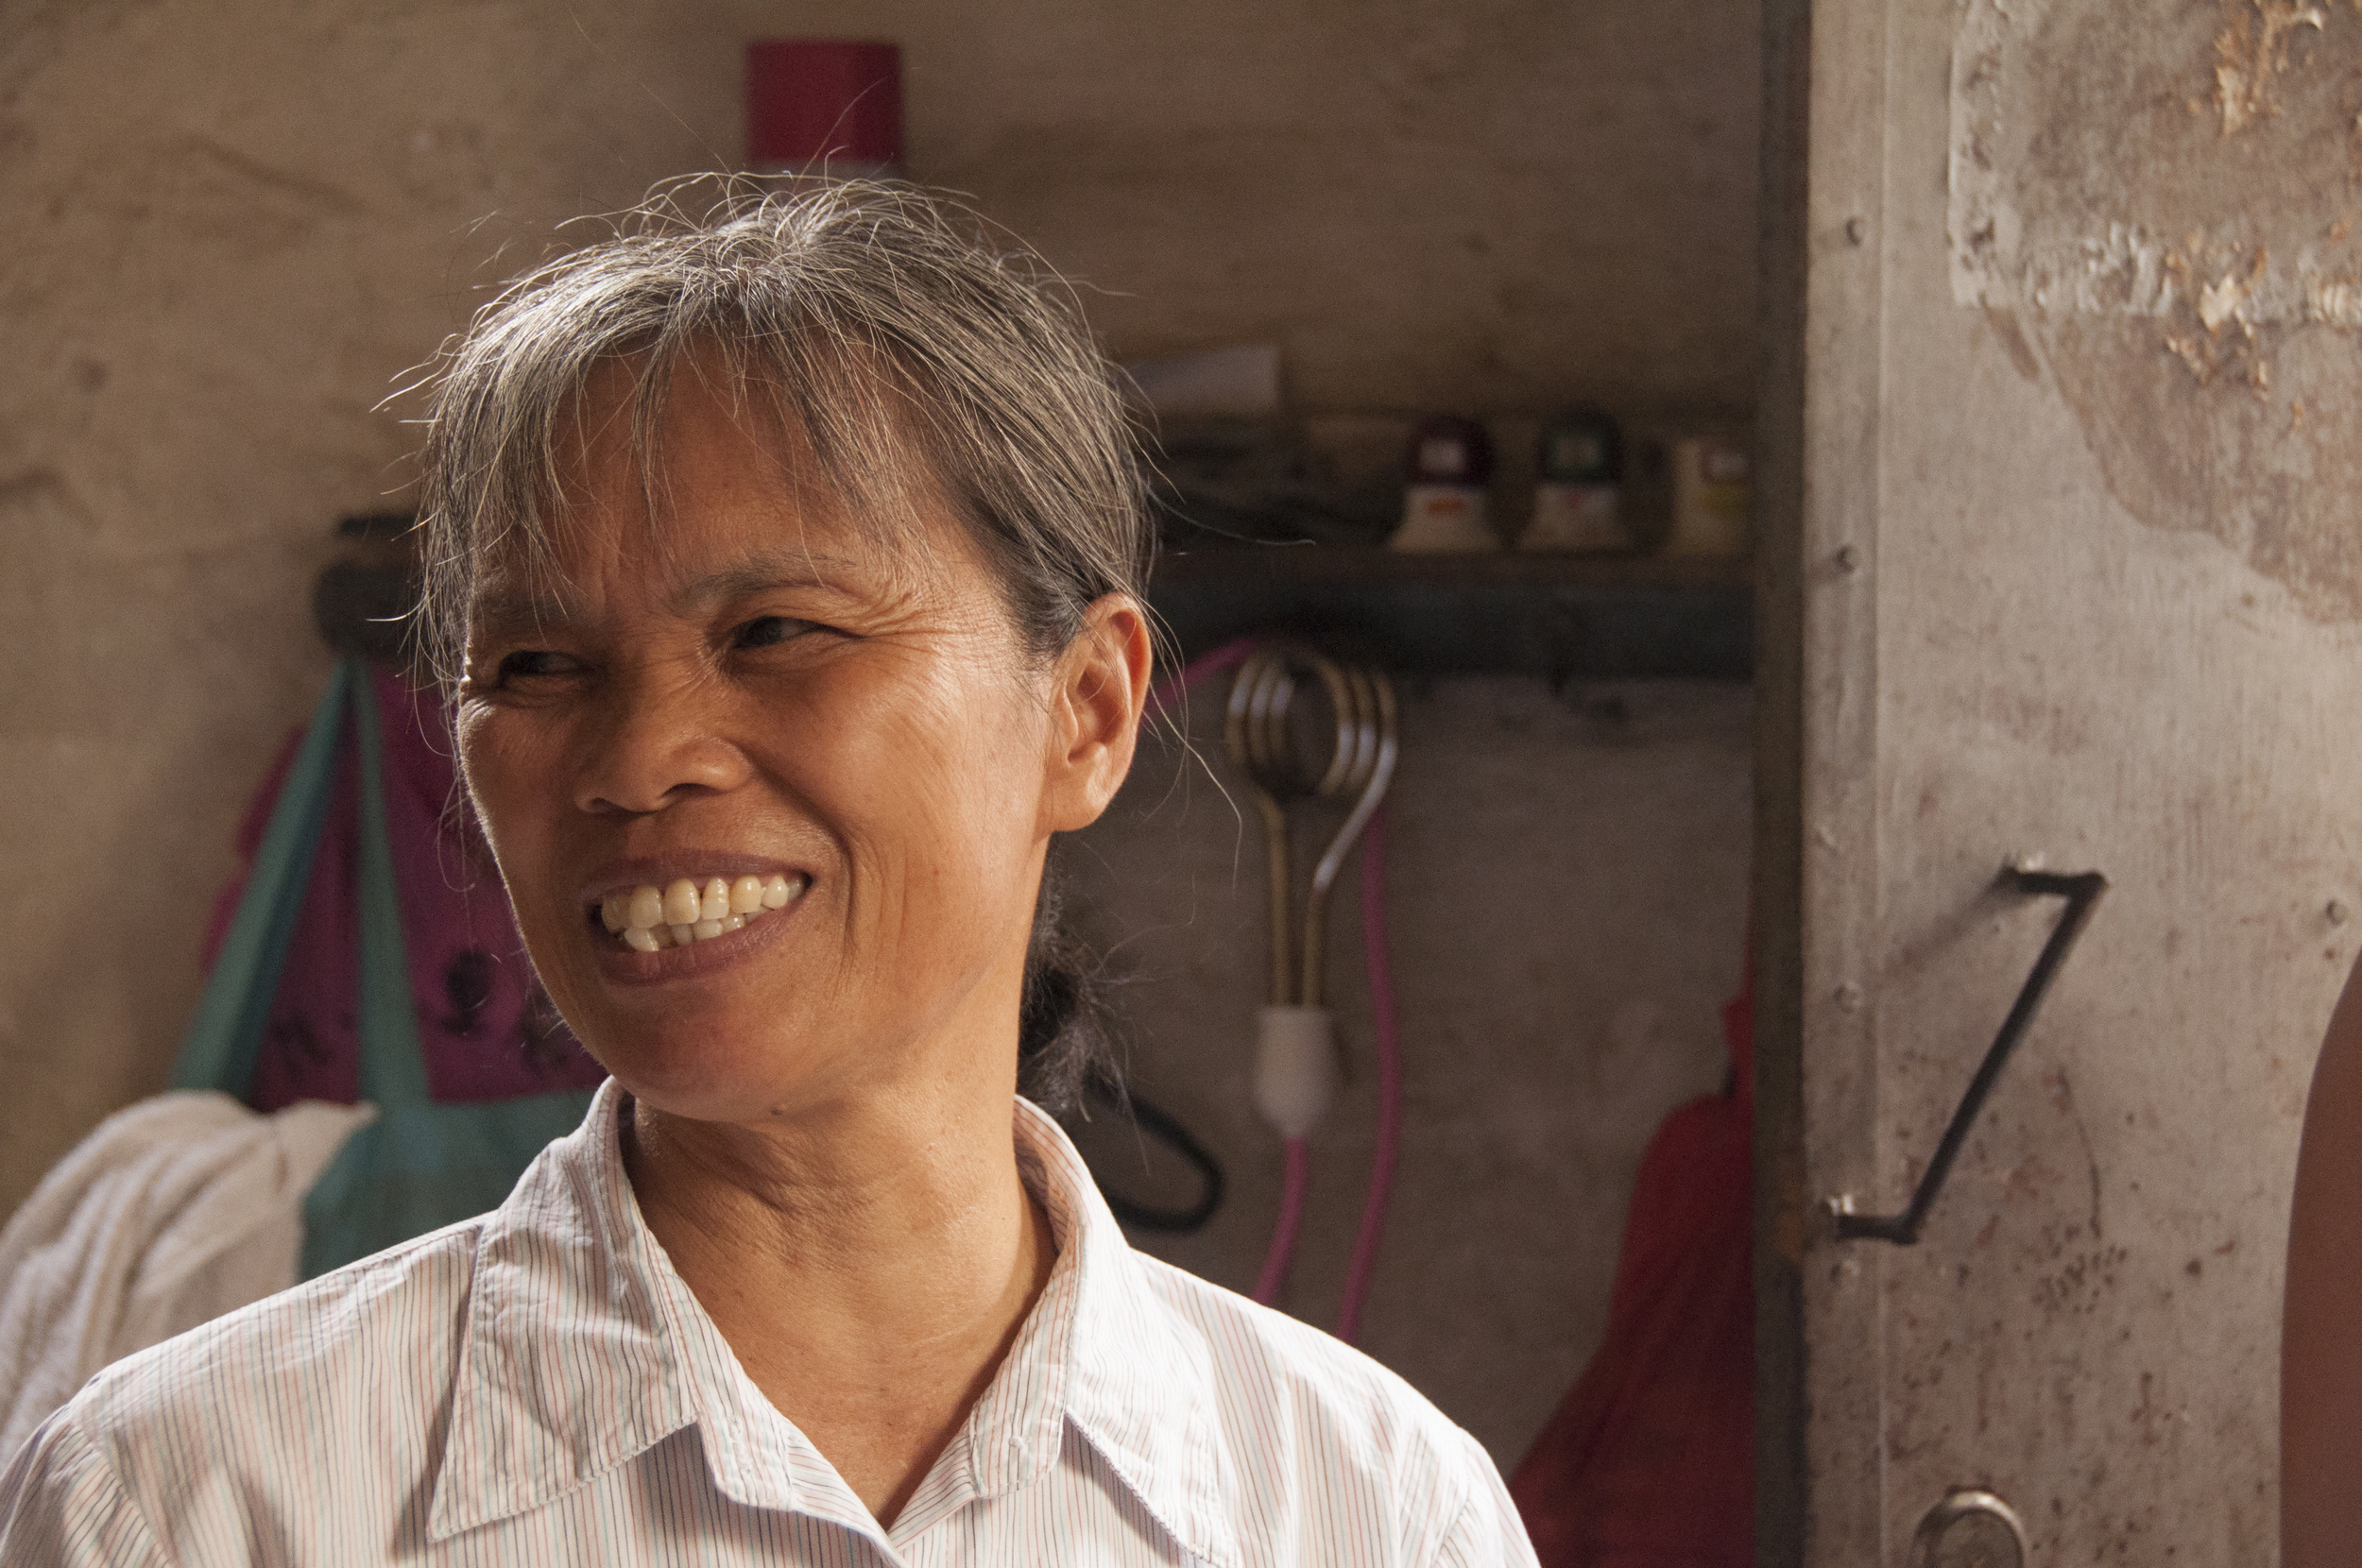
x=1443 y=519
x=1711 y=499
x=1568 y=515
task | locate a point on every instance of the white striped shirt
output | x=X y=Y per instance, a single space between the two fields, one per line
x=538 y=1386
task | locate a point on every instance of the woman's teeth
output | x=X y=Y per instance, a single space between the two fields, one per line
x=650 y=919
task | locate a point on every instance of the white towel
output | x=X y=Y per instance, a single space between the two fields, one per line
x=172 y=1212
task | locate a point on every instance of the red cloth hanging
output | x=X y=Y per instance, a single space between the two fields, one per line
x=1649 y=1461
x=485 y=1027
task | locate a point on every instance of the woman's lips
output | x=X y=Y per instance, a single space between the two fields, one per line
x=648 y=918
x=658 y=955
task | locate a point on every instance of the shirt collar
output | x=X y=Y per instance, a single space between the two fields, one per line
x=563 y=1288
x=1103 y=1349
x=582 y=1348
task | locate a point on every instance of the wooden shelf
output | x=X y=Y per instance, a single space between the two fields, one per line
x=1559 y=616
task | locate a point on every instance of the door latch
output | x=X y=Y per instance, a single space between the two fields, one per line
x=2082 y=892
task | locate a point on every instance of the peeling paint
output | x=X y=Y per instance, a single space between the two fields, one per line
x=2252 y=52
x=2045 y=215
x=2161 y=204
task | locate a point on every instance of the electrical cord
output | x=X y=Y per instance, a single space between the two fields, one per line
x=1166 y=1129
x=1296 y=1183
x=1382 y=982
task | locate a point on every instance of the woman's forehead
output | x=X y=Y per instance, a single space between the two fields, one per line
x=708 y=526
x=715 y=467
x=644 y=426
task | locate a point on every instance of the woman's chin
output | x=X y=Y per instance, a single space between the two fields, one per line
x=715 y=1073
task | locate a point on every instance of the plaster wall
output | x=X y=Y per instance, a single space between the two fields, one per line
x=235 y=224
x=1565 y=894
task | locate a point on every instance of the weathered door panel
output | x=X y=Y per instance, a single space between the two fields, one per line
x=2078 y=560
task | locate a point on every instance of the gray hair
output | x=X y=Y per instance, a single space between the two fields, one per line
x=907 y=347
x=884 y=327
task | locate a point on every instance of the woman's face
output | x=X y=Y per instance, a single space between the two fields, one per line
x=743 y=685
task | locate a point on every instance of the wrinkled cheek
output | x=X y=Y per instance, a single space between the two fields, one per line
x=511 y=812
x=544 y=945
x=912 y=924
x=481 y=774
x=501 y=785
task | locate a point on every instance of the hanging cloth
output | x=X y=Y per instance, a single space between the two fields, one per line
x=486 y=1028
x=1648 y=1462
x=423 y=1162
x=172 y=1212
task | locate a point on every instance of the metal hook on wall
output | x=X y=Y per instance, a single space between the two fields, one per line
x=2082 y=892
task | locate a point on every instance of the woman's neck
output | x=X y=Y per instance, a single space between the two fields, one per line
x=870 y=1272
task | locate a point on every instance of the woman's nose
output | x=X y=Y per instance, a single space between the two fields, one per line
x=655 y=747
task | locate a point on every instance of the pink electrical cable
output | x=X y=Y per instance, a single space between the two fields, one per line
x=1293 y=1186
x=1389 y=1077
x=1297 y=1181
x=1232 y=654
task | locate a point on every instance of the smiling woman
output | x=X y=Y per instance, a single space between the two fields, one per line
x=786 y=575
x=738 y=679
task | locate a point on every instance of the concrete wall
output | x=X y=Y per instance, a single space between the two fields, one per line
x=1565 y=891
x=235 y=223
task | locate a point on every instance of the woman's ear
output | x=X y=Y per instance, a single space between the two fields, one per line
x=1096 y=703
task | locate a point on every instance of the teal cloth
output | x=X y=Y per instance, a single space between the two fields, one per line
x=226 y=1034
x=421 y=1164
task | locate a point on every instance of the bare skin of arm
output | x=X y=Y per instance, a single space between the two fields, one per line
x=2321 y=1346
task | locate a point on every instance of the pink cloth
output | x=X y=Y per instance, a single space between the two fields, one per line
x=486 y=1029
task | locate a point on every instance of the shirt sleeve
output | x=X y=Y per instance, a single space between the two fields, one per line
x=1487 y=1533
x=60 y=1507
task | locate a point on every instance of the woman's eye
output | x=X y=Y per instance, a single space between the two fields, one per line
x=768 y=631
x=529 y=663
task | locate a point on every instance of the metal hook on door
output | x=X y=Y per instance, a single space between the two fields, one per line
x=2082 y=892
